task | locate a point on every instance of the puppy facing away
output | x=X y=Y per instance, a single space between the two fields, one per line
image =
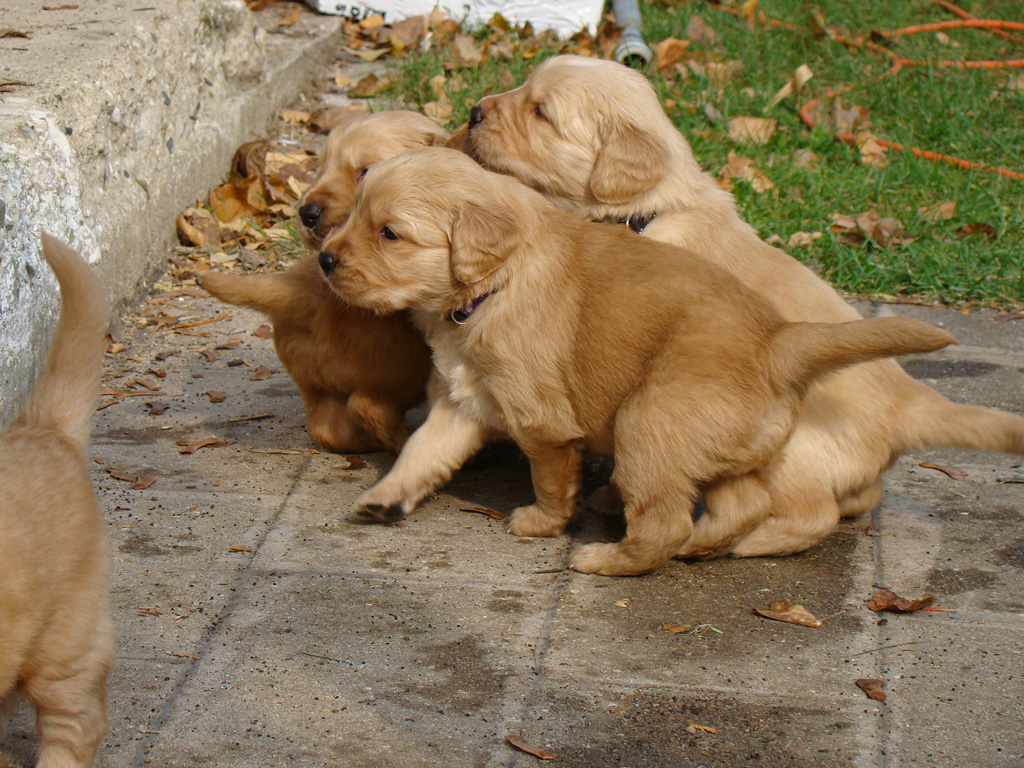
x=571 y=337
x=358 y=373
x=591 y=135
x=56 y=633
x=351 y=149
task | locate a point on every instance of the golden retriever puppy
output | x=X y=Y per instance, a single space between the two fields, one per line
x=591 y=135
x=358 y=374
x=56 y=634
x=352 y=148
x=570 y=337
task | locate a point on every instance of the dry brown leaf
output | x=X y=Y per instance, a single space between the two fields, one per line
x=372 y=22
x=668 y=52
x=262 y=373
x=978 y=228
x=493 y=514
x=12 y=32
x=371 y=85
x=782 y=610
x=887 y=600
x=802 y=239
x=953 y=472
x=847 y=119
x=290 y=19
x=191 y=446
x=189 y=234
x=721 y=73
x=407 y=33
x=216 y=396
x=149 y=384
x=158 y=409
x=752 y=130
x=354 y=462
x=522 y=744
x=739 y=167
x=872 y=687
x=467 y=50
x=371 y=55
x=699 y=31
x=263 y=332
x=705 y=728
x=872 y=153
x=796 y=83
x=805 y=158
x=239 y=548
x=943 y=211
x=139 y=482
x=676 y=628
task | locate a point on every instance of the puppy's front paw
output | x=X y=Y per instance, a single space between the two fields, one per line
x=607 y=560
x=533 y=521
x=373 y=512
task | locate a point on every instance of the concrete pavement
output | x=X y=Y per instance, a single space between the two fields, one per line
x=258 y=627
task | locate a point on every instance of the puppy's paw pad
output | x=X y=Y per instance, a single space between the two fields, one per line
x=377 y=513
x=533 y=522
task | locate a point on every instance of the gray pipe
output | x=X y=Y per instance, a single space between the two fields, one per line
x=632 y=51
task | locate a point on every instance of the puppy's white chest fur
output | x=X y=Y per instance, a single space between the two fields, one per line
x=467 y=387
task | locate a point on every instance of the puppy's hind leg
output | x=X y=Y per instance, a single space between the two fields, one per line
x=557 y=479
x=802 y=514
x=380 y=418
x=733 y=507
x=331 y=427
x=657 y=525
x=432 y=453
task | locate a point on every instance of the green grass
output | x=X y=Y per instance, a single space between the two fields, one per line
x=964 y=113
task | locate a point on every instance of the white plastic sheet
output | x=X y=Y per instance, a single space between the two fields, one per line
x=565 y=17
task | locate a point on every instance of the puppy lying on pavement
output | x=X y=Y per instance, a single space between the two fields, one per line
x=56 y=634
x=358 y=373
x=572 y=337
x=592 y=136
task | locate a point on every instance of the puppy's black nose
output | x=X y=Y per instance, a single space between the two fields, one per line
x=476 y=116
x=310 y=214
x=327 y=262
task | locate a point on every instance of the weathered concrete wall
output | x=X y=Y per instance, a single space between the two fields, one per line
x=127 y=115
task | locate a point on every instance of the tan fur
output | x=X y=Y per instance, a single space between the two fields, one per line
x=358 y=373
x=56 y=634
x=592 y=136
x=351 y=149
x=585 y=339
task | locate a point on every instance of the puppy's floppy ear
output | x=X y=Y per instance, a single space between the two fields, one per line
x=482 y=238
x=630 y=162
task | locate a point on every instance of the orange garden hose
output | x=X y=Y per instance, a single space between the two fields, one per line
x=966 y=21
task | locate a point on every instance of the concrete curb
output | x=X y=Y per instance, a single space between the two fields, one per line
x=125 y=117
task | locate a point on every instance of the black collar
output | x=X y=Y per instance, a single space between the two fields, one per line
x=460 y=316
x=638 y=221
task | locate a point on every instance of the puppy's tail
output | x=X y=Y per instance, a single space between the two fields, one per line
x=801 y=352
x=65 y=397
x=932 y=421
x=270 y=294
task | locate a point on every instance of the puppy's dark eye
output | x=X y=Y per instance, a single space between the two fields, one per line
x=362 y=174
x=539 y=112
x=388 y=234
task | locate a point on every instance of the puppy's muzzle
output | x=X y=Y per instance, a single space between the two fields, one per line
x=327 y=263
x=476 y=116
x=310 y=214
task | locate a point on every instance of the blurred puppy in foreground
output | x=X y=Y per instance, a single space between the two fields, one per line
x=56 y=634
x=358 y=373
x=571 y=337
x=592 y=136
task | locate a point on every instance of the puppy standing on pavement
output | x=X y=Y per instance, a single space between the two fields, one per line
x=573 y=337
x=56 y=634
x=592 y=136
x=358 y=373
